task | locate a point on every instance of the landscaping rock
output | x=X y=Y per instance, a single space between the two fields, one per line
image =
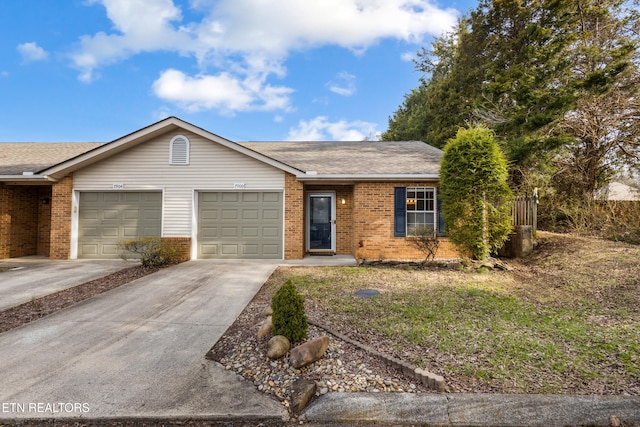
x=268 y=311
x=309 y=352
x=265 y=327
x=277 y=347
x=301 y=393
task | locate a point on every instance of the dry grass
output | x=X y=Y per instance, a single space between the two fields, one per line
x=566 y=320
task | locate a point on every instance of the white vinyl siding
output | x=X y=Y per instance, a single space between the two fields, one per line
x=211 y=167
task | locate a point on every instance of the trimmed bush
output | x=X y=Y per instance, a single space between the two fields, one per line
x=288 y=315
x=152 y=251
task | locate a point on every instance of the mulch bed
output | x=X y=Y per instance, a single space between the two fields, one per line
x=40 y=307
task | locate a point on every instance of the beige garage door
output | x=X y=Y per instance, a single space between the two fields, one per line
x=105 y=218
x=240 y=225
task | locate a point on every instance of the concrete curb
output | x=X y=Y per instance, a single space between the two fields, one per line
x=473 y=410
x=429 y=379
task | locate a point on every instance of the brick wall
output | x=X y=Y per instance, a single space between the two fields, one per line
x=182 y=245
x=44 y=221
x=373 y=216
x=19 y=219
x=5 y=221
x=61 y=203
x=294 y=217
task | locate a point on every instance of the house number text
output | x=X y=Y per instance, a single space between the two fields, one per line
x=118 y=186
x=239 y=186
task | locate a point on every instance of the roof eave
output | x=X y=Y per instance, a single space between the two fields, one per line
x=24 y=179
x=328 y=178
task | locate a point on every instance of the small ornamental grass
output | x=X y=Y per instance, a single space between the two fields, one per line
x=289 y=318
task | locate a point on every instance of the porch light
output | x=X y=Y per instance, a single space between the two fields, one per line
x=343 y=201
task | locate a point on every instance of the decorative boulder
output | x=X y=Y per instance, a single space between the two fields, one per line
x=277 y=347
x=309 y=352
x=302 y=391
x=265 y=328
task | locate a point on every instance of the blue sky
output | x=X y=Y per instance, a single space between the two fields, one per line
x=95 y=70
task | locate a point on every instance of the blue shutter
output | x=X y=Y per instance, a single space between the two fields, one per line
x=442 y=226
x=400 y=212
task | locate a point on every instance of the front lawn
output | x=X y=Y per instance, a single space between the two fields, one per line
x=566 y=320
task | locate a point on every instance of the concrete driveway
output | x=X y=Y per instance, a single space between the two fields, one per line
x=137 y=351
x=35 y=277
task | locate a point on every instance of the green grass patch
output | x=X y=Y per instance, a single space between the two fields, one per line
x=490 y=330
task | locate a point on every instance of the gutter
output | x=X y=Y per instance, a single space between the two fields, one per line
x=27 y=178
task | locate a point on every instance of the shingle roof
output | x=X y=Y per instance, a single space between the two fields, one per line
x=16 y=158
x=354 y=158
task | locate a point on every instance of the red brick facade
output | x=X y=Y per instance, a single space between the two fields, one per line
x=24 y=220
x=37 y=220
x=61 y=202
x=294 y=208
x=364 y=223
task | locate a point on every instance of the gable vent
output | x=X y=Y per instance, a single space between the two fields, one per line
x=179 y=151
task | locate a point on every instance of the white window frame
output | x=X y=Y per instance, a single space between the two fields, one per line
x=172 y=160
x=412 y=203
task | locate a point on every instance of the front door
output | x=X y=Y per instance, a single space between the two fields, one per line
x=321 y=222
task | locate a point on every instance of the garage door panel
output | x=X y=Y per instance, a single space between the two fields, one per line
x=106 y=218
x=228 y=214
x=268 y=214
x=236 y=225
x=249 y=214
x=273 y=250
x=111 y=214
x=230 y=249
x=271 y=198
x=229 y=232
x=270 y=232
x=249 y=232
x=110 y=197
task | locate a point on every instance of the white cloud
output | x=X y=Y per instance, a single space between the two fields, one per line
x=250 y=40
x=4 y=74
x=31 y=52
x=409 y=56
x=222 y=92
x=344 y=84
x=321 y=129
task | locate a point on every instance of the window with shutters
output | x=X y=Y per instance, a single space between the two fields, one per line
x=421 y=208
x=179 y=150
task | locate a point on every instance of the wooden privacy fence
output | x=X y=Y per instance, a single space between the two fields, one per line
x=525 y=211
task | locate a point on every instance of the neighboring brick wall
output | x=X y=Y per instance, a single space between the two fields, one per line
x=61 y=203
x=373 y=215
x=24 y=221
x=183 y=246
x=44 y=221
x=5 y=221
x=294 y=217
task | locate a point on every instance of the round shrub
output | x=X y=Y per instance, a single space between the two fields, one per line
x=288 y=315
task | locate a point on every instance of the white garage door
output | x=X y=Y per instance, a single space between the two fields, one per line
x=106 y=218
x=240 y=224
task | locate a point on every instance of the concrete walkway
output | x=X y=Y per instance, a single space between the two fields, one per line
x=137 y=351
x=35 y=277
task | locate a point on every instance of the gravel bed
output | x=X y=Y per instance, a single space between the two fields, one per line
x=345 y=368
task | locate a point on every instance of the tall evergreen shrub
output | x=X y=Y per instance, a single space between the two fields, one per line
x=476 y=198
